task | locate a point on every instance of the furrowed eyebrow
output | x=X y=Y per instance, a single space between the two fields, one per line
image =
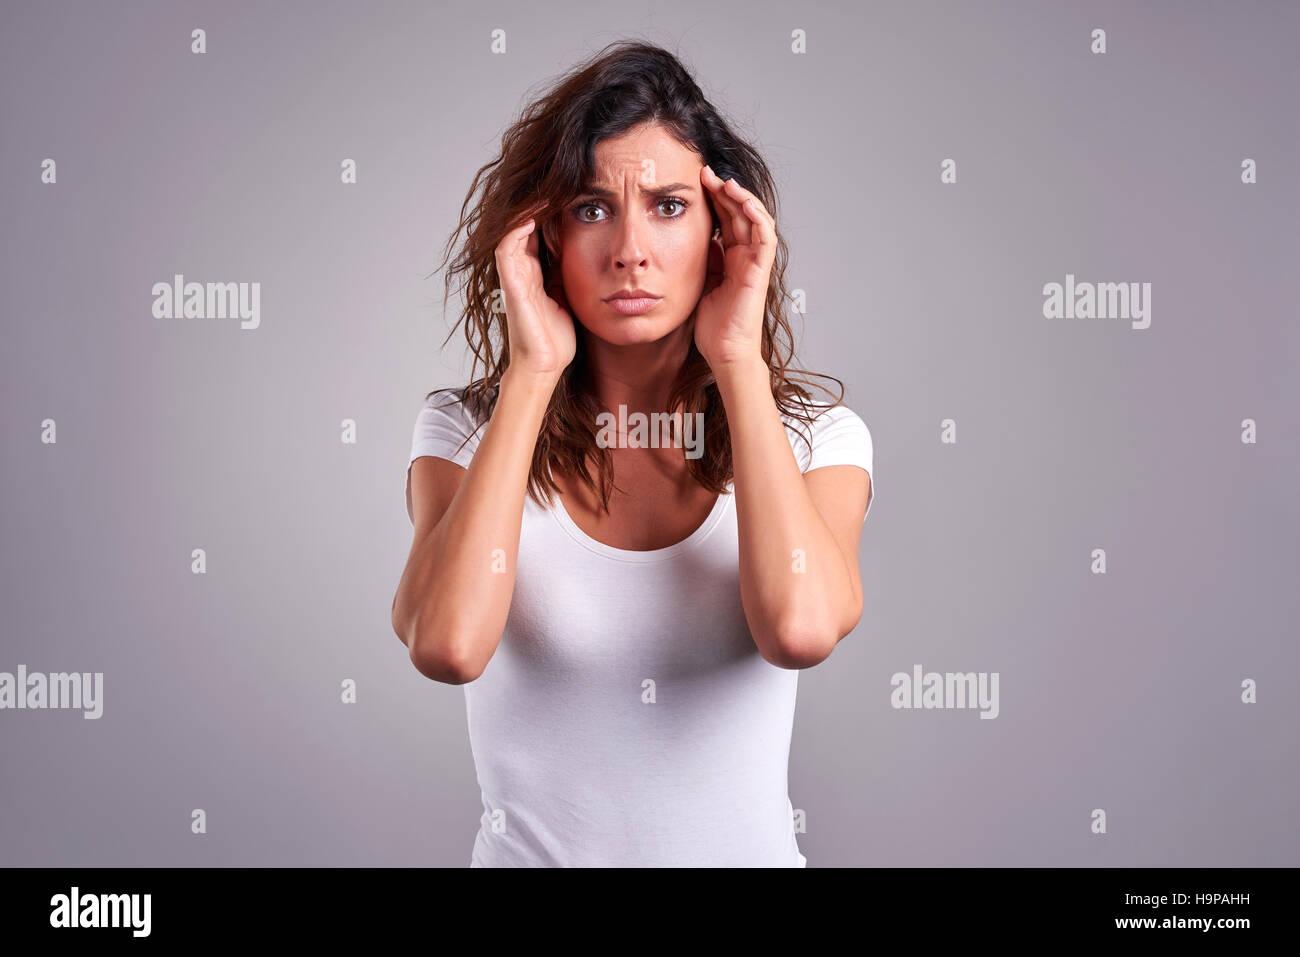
x=645 y=190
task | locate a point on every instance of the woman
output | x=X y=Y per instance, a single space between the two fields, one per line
x=630 y=641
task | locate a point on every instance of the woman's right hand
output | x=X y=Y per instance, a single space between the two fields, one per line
x=542 y=337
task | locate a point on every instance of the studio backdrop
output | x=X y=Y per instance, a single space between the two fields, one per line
x=1049 y=248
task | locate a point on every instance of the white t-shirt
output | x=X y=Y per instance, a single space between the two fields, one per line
x=627 y=718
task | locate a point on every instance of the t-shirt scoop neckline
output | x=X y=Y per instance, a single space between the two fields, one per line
x=711 y=521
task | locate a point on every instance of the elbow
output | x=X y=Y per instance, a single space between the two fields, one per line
x=435 y=650
x=796 y=648
x=443 y=660
x=796 y=656
x=801 y=644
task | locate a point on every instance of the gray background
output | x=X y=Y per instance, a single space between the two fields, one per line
x=1118 y=691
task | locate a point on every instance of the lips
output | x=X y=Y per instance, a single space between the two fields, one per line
x=633 y=302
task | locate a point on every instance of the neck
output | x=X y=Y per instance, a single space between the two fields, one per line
x=638 y=376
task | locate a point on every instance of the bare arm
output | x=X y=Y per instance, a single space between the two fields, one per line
x=798 y=533
x=454 y=597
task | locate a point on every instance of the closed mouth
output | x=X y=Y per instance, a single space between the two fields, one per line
x=633 y=294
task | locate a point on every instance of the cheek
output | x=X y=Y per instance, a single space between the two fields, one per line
x=577 y=264
x=576 y=273
x=682 y=249
x=689 y=258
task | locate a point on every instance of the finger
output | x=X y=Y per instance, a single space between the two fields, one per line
x=530 y=239
x=743 y=196
x=763 y=231
x=522 y=239
x=735 y=223
x=510 y=244
x=708 y=180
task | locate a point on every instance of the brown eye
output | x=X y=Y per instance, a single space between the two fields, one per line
x=581 y=210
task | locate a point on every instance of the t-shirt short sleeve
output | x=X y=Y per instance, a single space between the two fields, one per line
x=838 y=437
x=442 y=427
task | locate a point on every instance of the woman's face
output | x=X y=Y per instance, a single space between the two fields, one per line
x=645 y=224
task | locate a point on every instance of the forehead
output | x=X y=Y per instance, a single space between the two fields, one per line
x=648 y=153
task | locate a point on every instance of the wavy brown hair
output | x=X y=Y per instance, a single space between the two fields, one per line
x=546 y=161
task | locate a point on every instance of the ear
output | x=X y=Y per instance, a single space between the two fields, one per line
x=716 y=266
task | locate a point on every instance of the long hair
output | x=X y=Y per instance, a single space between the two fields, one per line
x=546 y=160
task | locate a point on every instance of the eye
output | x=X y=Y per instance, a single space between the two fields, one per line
x=674 y=201
x=580 y=212
x=588 y=212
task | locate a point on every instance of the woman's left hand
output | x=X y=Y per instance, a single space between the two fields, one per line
x=730 y=313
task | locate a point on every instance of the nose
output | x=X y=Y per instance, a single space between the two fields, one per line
x=629 y=243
